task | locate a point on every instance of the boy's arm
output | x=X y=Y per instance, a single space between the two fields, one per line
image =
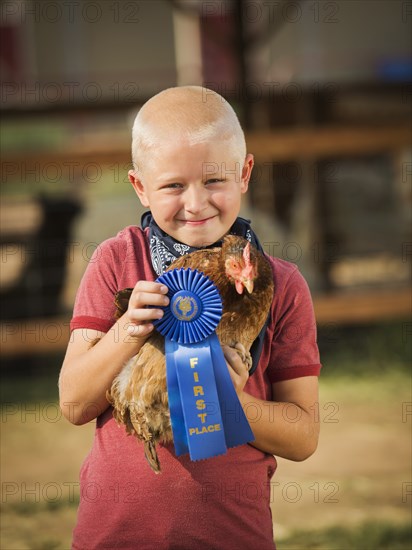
x=88 y=371
x=288 y=426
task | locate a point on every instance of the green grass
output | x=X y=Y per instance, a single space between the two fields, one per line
x=102 y=182
x=31 y=508
x=33 y=136
x=31 y=379
x=367 y=536
x=366 y=350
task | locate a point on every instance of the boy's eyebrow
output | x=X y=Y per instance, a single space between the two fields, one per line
x=210 y=171
x=174 y=178
x=170 y=177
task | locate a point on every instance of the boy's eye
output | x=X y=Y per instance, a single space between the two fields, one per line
x=215 y=180
x=172 y=186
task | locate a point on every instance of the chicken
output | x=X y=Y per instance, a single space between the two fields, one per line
x=244 y=279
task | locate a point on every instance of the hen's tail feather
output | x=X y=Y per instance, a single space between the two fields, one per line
x=151 y=456
x=143 y=433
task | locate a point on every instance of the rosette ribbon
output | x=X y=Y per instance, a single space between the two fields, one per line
x=206 y=415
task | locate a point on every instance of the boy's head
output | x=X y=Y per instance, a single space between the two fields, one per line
x=195 y=113
x=190 y=163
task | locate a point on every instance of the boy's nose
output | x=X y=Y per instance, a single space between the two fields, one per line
x=196 y=200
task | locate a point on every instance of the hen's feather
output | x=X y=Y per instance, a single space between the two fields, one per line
x=139 y=393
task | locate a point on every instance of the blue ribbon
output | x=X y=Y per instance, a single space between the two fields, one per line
x=205 y=412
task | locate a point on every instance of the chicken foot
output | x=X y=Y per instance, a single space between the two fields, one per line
x=244 y=354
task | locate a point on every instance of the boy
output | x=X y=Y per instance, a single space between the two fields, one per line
x=190 y=170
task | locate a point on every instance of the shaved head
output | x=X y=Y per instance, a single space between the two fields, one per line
x=191 y=113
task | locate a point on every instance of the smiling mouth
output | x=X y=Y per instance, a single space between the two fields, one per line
x=197 y=222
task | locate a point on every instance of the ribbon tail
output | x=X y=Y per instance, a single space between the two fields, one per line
x=199 y=400
x=204 y=427
x=205 y=411
x=236 y=426
x=175 y=404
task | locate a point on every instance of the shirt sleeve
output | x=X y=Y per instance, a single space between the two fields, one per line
x=294 y=351
x=94 y=305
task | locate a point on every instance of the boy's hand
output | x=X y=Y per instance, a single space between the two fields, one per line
x=237 y=369
x=145 y=293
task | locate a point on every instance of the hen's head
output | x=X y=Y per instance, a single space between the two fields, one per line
x=240 y=262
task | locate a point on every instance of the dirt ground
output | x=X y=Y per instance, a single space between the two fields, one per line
x=360 y=472
x=362 y=468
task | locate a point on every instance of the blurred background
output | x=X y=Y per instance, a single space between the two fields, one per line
x=323 y=90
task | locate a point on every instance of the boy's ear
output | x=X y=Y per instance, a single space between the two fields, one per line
x=138 y=187
x=247 y=172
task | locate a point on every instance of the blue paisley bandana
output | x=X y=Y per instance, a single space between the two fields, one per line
x=164 y=249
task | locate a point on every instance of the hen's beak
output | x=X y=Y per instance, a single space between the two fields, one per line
x=248 y=284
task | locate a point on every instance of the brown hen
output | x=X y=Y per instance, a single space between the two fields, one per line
x=244 y=279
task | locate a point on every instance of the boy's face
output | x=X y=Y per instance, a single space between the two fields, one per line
x=193 y=191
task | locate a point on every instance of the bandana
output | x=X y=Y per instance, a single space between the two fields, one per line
x=164 y=250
